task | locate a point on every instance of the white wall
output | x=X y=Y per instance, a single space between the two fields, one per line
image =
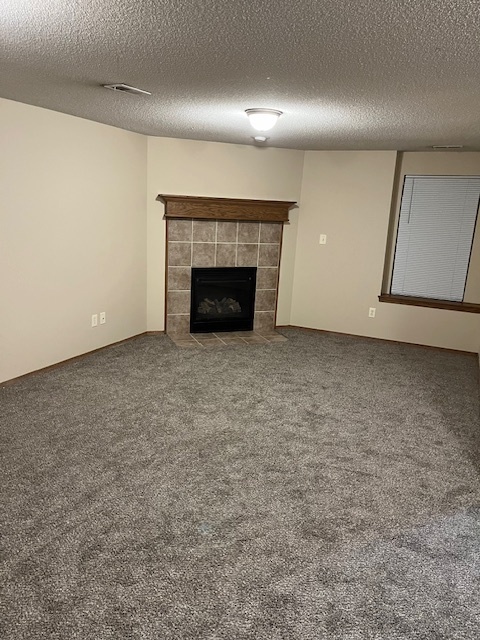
x=347 y=195
x=72 y=236
x=188 y=167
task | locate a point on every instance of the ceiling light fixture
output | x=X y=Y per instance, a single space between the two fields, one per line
x=263 y=119
x=260 y=138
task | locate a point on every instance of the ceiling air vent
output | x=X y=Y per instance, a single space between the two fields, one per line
x=439 y=147
x=126 y=88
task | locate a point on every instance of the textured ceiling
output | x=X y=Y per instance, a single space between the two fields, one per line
x=348 y=74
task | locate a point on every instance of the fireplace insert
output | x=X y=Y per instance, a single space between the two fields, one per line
x=223 y=299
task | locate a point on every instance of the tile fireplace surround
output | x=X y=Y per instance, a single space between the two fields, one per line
x=221 y=243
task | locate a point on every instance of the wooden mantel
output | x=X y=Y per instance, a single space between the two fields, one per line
x=225 y=208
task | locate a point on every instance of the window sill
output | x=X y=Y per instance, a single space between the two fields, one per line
x=466 y=307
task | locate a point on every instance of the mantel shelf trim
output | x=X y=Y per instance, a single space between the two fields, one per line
x=202 y=208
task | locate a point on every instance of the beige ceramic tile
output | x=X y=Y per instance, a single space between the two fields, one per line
x=178 y=302
x=268 y=255
x=247 y=255
x=184 y=337
x=187 y=344
x=178 y=324
x=180 y=230
x=233 y=341
x=226 y=231
x=226 y=334
x=264 y=321
x=226 y=255
x=203 y=255
x=204 y=230
x=210 y=342
x=265 y=301
x=276 y=338
x=255 y=340
x=270 y=232
x=248 y=232
x=179 y=254
x=267 y=278
x=179 y=278
x=266 y=333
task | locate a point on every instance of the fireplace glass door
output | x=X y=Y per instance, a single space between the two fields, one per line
x=223 y=299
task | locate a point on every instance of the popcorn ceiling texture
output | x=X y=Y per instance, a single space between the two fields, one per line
x=347 y=75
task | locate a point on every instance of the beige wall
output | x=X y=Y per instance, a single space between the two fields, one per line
x=79 y=221
x=445 y=163
x=188 y=167
x=72 y=236
x=347 y=195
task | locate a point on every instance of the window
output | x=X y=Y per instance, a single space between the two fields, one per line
x=434 y=238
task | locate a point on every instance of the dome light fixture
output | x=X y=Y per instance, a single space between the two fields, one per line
x=263 y=119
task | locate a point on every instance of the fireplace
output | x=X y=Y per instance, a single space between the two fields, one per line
x=222 y=233
x=222 y=299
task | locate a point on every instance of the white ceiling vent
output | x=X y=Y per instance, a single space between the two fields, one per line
x=126 y=88
x=452 y=147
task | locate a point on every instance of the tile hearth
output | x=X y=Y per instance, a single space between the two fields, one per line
x=227 y=339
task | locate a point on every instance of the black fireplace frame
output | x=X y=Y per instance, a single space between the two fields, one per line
x=227 y=274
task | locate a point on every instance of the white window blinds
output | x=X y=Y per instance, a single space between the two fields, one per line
x=435 y=234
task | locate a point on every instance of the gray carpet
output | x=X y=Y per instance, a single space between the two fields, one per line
x=322 y=488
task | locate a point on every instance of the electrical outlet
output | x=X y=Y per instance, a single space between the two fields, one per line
x=94 y=320
x=323 y=239
x=371 y=312
x=103 y=317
